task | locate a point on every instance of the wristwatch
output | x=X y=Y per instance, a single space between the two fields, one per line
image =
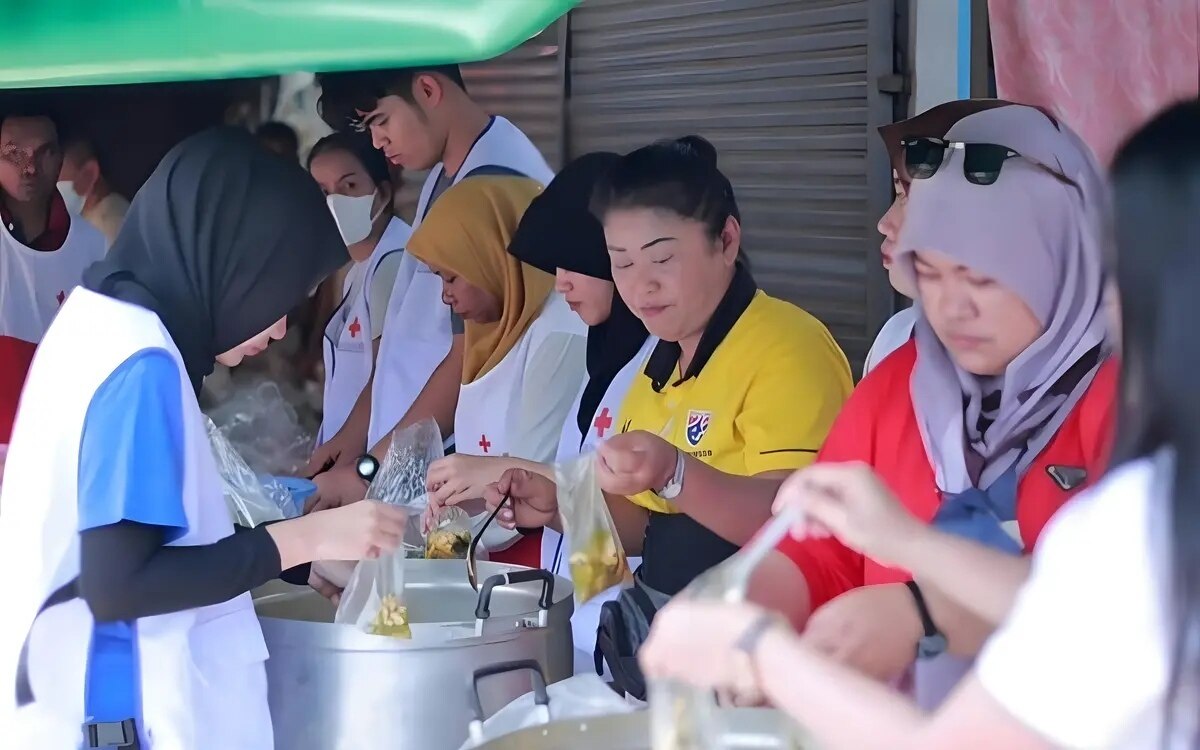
x=933 y=642
x=366 y=466
x=674 y=485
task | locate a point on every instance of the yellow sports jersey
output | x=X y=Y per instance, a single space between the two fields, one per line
x=760 y=394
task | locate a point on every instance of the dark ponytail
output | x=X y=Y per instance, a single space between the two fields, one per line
x=680 y=176
x=1156 y=181
x=359 y=146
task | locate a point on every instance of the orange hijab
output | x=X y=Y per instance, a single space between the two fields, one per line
x=466 y=233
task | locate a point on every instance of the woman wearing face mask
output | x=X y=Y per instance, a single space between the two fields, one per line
x=524 y=352
x=1099 y=648
x=559 y=235
x=741 y=389
x=933 y=123
x=355 y=179
x=132 y=610
x=997 y=411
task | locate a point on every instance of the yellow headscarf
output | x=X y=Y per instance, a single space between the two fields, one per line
x=466 y=233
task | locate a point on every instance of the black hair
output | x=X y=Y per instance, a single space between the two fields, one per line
x=680 y=176
x=344 y=95
x=29 y=104
x=1156 y=182
x=281 y=133
x=359 y=146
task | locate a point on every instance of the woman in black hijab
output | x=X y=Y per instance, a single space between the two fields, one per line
x=114 y=474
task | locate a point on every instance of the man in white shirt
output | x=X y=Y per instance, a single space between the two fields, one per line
x=43 y=249
x=86 y=190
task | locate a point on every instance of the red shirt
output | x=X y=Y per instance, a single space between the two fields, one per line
x=879 y=427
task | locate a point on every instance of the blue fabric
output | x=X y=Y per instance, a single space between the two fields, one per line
x=978 y=514
x=131 y=452
x=131 y=465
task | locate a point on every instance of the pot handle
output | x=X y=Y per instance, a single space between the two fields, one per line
x=540 y=695
x=483 y=607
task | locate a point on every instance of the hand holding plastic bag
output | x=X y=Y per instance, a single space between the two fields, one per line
x=597 y=560
x=374 y=597
x=683 y=717
x=251 y=501
x=449 y=535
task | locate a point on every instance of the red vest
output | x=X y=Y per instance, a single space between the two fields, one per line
x=879 y=427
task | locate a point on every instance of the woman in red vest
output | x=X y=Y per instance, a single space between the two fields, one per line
x=995 y=413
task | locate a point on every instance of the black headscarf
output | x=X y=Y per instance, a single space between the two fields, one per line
x=223 y=240
x=558 y=231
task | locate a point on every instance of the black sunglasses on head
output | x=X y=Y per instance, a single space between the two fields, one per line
x=982 y=162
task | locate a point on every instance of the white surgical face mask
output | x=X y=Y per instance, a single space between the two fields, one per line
x=353 y=216
x=73 y=199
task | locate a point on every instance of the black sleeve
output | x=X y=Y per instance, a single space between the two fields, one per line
x=126 y=572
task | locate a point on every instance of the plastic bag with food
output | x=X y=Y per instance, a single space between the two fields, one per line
x=251 y=501
x=597 y=559
x=449 y=535
x=374 y=598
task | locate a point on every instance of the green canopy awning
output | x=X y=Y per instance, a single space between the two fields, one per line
x=78 y=42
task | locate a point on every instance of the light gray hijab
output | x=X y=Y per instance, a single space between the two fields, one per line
x=1040 y=238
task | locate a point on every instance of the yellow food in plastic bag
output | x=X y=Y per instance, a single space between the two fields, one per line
x=391 y=620
x=598 y=566
x=447 y=544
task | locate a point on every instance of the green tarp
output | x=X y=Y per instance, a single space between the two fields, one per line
x=77 y=42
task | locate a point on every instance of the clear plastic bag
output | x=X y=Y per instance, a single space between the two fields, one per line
x=251 y=501
x=374 y=598
x=264 y=428
x=597 y=559
x=449 y=536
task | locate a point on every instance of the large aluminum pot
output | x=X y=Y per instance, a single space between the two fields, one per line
x=333 y=687
x=741 y=728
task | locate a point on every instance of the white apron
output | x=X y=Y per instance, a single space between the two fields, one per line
x=348 y=353
x=416 y=306
x=556 y=547
x=485 y=419
x=202 y=678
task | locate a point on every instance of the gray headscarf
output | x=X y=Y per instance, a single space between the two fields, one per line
x=1040 y=238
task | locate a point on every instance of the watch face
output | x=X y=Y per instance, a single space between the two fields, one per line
x=367 y=466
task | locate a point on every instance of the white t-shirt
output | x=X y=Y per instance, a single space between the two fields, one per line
x=895 y=333
x=1083 y=657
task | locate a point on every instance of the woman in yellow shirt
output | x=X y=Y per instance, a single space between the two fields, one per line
x=741 y=384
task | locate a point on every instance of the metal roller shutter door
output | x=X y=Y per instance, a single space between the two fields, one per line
x=786 y=90
x=524 y=85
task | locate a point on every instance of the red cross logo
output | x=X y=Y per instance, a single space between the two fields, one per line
x=60 y=296
x=354 y=328
x=484 y=443
x=603 y=422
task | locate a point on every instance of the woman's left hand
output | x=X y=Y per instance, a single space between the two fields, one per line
x=459 y=477
x=634 y=462
x=694 y=642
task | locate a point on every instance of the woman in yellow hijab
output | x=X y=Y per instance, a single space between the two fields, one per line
x=525 y=350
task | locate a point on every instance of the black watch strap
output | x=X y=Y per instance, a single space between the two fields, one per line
x=932 y=642
x=366 y=466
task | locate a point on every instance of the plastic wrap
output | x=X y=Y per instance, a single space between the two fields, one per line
x=449 y=535
x=374 y=598
x=251 y=501
x=597 y=559
x=263 y=428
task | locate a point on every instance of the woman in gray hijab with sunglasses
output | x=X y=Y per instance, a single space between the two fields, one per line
x=997 y=411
